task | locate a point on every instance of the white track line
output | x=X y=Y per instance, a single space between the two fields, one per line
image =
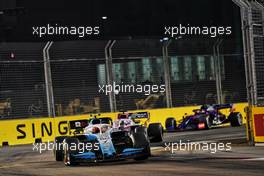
x=254 y=159
x=157 y=148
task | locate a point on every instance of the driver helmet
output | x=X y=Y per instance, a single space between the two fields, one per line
x=104 y=128
x=210 y=108
x=95 y=130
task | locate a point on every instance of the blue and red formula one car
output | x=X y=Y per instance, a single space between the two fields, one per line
x=206 y=117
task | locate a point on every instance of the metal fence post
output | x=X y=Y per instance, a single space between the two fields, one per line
x=109 y=74
x=218 y=75
x=220 y=93
x=243 y=28
x=253 y=46
x=252 y=58
x=253 y=54
x=48 y=80
x=244 y=11
x=167 y=74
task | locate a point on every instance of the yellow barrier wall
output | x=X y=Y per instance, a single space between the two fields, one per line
x=26 y=131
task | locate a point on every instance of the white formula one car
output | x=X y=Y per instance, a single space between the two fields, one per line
x=95 y=140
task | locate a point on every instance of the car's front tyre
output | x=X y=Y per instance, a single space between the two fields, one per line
x=146 y=154
x=235 y=119
x=58 y=149
x=155 y=132
x=68 y=151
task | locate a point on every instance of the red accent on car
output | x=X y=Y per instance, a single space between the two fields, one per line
x=201 y=125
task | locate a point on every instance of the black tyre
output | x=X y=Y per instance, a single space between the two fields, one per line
x=146 y=155
x=155 y=132
x=139 y=137
x=170 y=124
x=121 y=141
x=206 y=120
x=235 y=119
x=68 y=152
x=58 y=149
x=208 y=123
x=140 y=140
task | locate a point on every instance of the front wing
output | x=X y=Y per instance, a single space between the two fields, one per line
x=95 y=157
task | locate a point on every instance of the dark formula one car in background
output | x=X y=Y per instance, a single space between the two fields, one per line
x=206 y=117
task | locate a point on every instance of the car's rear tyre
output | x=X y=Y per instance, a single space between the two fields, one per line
x=170 y=124
x=68 y=151
x=155 y=132
x=58 y=149
x=235 y=119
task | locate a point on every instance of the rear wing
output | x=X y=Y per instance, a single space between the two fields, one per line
x=81 y=124
x=139 y=115
x=133 y=115
x=223 y=106
x=78 y=124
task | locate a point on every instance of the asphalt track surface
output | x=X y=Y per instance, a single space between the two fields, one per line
x=241 y=160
